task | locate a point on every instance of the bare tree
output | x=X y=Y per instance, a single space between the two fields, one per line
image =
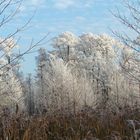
x=131 y=57
x=10 y=85
x=132 y=21
x=8 y=43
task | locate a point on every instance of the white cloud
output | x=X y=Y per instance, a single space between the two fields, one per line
x=89 y=3
x=80 y=18
x=63 y=4
x=37 y=2
x=32 y=4
x=58 y=4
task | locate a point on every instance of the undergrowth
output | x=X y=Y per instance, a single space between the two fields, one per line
x=99 y=124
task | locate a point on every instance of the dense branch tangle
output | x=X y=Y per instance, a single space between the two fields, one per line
x=10 y=84
x=131 y=39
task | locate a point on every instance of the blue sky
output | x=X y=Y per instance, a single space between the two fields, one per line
x=56 y=16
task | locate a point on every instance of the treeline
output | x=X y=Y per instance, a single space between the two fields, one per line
x=83 y=72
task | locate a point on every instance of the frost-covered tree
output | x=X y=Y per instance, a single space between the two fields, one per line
x=93 y=55
x=85 y=71
x=10 y=85
x=41 y=88
x=11 y=88
x=65 y=43
x=64 y=91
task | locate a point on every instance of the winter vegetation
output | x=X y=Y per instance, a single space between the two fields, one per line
x=85 y=71
x=87 y=87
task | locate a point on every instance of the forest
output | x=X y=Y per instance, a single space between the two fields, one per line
x=87 y=87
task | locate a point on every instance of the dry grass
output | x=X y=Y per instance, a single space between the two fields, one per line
x=85 y=125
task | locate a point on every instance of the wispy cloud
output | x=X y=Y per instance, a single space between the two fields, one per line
x=32 y=4
x=80 y=18
x=63 y=4
x=37 y=2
